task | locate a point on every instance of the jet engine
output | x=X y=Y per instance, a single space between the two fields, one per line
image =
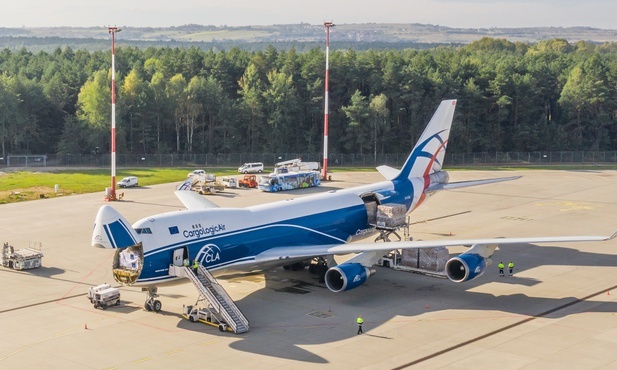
x=346 y=276
x=465 y=267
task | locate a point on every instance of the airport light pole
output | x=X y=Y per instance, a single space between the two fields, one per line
x=324 y=174
x=113 y=31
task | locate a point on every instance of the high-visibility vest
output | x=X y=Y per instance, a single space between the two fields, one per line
x=500 y=265
x=195 y=264
x=360 y=321
x=511 y=265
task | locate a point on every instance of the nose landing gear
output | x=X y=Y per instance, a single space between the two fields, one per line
x=152 y=304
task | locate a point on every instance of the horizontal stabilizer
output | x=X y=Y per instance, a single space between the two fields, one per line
x=192 y=200
x=464 y=184
x=388 y=172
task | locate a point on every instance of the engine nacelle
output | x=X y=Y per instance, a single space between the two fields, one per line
x=346 y=276
x=465 y=267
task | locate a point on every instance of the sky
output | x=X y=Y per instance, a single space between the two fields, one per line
x=450 y=13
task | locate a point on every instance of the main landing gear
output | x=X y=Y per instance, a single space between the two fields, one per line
x=152 y=304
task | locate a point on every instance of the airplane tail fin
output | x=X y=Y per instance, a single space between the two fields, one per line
x=187 y=184
x=113 y=231
x=428 y=154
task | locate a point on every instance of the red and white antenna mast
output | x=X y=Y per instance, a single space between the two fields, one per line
x=113 y=31
x=324 y=174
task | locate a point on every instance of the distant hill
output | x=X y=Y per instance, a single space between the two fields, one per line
x=357 y=36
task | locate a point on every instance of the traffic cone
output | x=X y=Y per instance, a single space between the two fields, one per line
x=86 y=326
x=608 y=292
x=426 y=306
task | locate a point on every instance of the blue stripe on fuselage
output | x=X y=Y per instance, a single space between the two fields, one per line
x=331 y=227
x=119 y=234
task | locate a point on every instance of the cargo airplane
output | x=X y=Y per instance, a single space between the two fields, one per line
x=226 y=240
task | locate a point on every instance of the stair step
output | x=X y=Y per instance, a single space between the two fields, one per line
x=212 y=291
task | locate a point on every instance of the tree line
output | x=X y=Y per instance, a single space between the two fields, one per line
x=548 y=96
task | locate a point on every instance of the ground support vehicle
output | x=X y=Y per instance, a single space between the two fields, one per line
x=296 y=165
x=427 y=261
x=128 y=182
x=206 y=184
x=249 y=181
x=283 y=180
x=205 y=316
x=104 y=296
x=256 y=167
x=21 y=259
x=229 y=182
x=196 y=173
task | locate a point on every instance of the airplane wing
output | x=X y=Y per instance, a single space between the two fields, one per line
x=464 y=184
x=192 y=200
x=301 y=252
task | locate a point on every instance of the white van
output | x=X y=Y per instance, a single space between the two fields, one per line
x=128 y=182
x=257 y=167
x=229 y=182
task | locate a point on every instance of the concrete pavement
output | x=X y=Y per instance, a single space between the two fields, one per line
x=555 y=312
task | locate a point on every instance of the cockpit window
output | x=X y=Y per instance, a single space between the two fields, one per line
x=145 y=230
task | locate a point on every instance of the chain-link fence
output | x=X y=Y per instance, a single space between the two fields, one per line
x=334 y=160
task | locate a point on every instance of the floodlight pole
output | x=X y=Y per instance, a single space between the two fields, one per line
x=324 y=174
x=113 y=31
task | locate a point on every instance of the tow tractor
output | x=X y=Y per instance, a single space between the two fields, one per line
x=249 y=181
x=195 y=314
x=103 y=296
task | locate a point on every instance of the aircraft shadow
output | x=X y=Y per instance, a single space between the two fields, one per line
x=308 y=314
x=42 y=271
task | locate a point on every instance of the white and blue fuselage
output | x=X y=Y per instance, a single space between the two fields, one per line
x=285 y=232
x=229 y=239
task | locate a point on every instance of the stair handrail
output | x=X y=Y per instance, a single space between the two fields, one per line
x=225 y=295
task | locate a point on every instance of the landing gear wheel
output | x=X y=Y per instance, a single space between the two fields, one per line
x=222 y=327
x=191 y=319
x=151 y=303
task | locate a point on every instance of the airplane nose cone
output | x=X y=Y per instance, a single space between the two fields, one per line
x=111 y=230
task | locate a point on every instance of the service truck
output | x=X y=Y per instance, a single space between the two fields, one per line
x=103 y=296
